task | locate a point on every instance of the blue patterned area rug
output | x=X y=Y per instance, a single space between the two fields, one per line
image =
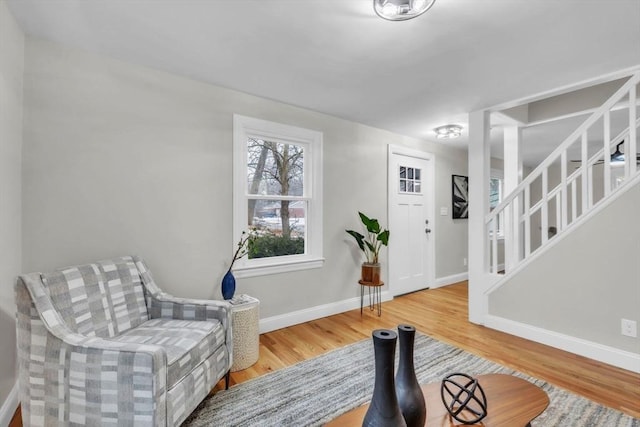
x=317 y=390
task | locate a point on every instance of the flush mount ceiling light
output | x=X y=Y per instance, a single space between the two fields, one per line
x=401 y=10
x=448 y=131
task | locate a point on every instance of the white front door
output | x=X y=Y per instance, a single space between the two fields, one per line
x=411 y=216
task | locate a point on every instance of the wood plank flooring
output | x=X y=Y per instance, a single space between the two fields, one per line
x=442 y=314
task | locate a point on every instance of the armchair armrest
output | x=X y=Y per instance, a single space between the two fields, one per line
x=167 y=306
x=163 y=305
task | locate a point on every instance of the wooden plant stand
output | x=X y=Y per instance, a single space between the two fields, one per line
x=376 y=302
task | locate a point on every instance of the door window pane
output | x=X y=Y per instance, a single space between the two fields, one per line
x=409 y=180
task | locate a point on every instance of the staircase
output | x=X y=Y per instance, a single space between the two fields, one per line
x=574 y=182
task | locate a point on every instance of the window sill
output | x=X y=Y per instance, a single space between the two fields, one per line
x=277 y=268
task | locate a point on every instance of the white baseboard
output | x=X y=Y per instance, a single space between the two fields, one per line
x=289 y=319
x=602 y=353
x=295 y=317
x=450 y=280
x=9 y=406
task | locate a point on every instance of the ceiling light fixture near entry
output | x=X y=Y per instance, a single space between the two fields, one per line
x=448 y=131
x=401 y=10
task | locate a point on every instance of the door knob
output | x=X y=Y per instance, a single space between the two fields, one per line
x=427 y=230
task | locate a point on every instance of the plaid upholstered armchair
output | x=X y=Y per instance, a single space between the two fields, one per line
x=102 y=344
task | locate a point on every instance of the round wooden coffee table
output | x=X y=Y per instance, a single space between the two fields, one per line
x=511 y=402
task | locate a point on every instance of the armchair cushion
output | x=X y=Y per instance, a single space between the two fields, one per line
x=187 y=343
x=101 y=299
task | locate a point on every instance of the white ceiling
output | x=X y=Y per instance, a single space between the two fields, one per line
x=338 y=57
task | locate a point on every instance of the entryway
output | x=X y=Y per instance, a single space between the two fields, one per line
x=411 y=215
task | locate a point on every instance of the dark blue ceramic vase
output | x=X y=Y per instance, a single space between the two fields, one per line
x=408 y=390
x=228 y=285
x=384 y=410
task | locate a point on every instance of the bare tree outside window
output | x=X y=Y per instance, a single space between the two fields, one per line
x=276 y=206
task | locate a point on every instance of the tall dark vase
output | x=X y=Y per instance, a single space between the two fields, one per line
x=408 y=390
x=384 y=410
x=228 y=285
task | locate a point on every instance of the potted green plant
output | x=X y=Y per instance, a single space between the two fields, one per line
x=371 y=244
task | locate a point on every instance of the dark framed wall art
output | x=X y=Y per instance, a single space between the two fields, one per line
x=460 y=196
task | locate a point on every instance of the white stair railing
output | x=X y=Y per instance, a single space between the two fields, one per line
x=533 y=213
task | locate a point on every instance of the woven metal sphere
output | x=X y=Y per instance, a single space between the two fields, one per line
x=464 y=398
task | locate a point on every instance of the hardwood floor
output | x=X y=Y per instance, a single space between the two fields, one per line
x=442 y=314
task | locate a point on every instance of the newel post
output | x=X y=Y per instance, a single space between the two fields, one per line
x=512 y=177
x=479 y=177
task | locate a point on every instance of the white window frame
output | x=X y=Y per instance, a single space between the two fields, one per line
x=247 y=127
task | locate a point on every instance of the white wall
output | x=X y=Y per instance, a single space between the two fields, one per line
x=11 y=72
x=452 y=238
x=556 y=292
x=123 y=159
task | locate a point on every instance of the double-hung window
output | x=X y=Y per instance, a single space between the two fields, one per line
x=277 y=190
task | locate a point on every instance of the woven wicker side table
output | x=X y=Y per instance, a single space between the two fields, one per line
x=246 y=334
